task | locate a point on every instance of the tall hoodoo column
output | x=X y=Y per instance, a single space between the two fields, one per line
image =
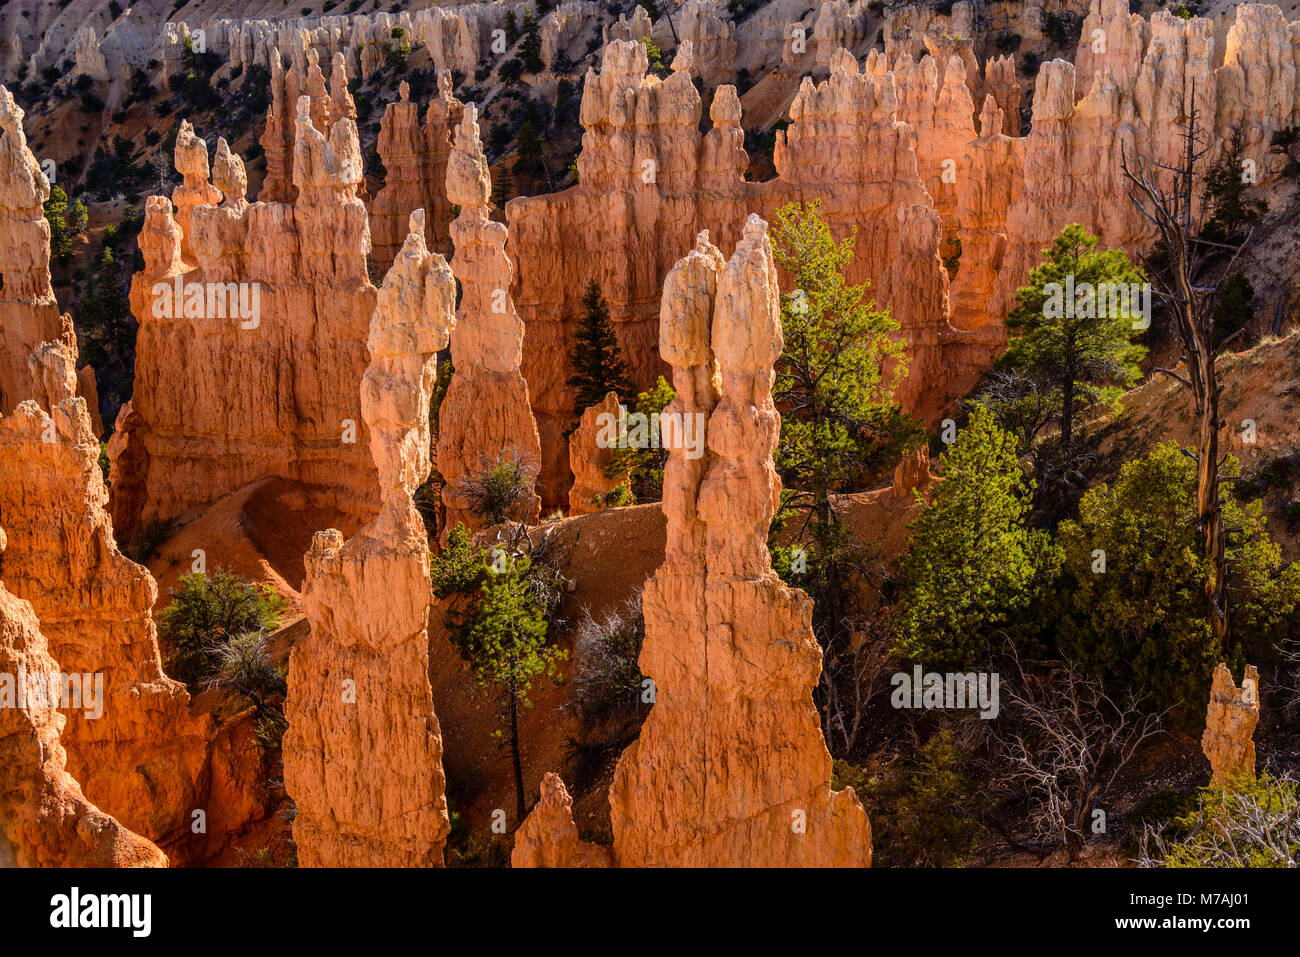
x=486 y=413
x=730 y=768
x=363 y=753
x=29 y=313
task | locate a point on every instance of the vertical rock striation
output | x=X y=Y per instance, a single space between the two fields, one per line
x=486 y=413
x=29 y=313
x=1230 y=720
x=415 y=161
x=649 y=182
x=142 y=757
x=363 y=753
x=730 y=768
x=269 y=321
x=45 y=820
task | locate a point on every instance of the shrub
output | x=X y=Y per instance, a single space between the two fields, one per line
x=1142 y=622
x=242 y=665
x=923 y=807
x=607 y=678
x=1247 y=824
x=206 y=614
x=502 y=488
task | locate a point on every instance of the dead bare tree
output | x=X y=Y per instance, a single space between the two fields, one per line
x=855 y=660
x=1189 y=286
x=1062 y=746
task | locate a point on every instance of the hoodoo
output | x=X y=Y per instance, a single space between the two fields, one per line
x=363 y=753
x=730 y=768
x=486 y=414
x=277 y=306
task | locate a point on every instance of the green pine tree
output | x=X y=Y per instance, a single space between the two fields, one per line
x=1226 y=184
x=497 y=623
x=56 y=211
x=528 y=142
x=839 y=423
x=836 y=375
x=974 y=572
x=596 y=359
x=530 y=50
x=503 y=186
x=1134 y=611
x=104 y=322
x=1084 y=359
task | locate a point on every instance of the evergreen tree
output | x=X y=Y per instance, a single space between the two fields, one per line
x=529 y=144
x=1231 y=211
x=530 y=50
x=78 y=217
x=503 y=187
x=1233 y=309
x=105 y=324
x=974 y=572
x=56 y=211
x=836 y=375
x=839 y=426
x=1133 y=608
x=497 y=623
x=596 y=360
x=1078 y=354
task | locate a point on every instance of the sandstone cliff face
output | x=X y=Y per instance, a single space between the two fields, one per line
x=1258 y=86
x=363 y=752
x=45 y=820
x=987 y=187
x=456 y=37
x=1230 y=720
x=704 y=24
x=143 y=757
x=486 y=412
x=270 y=321
x=649 y=181
x=415 y=161
x=936 y=103
x=1129 y=94
x=29 y=313
x=730 y=768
